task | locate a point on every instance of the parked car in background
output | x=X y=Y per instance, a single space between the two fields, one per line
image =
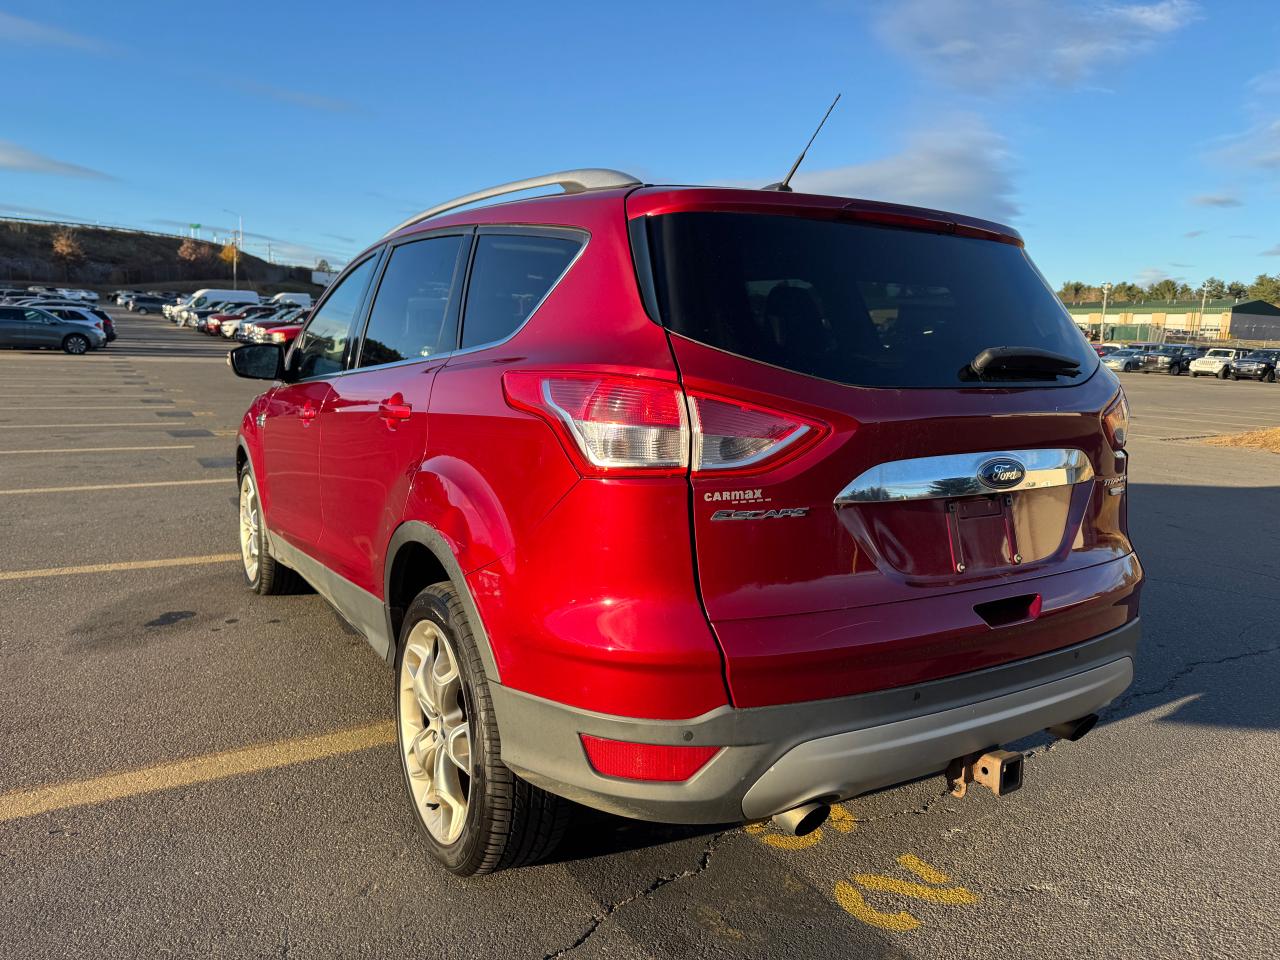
x=284 y=335
x=32 y=327
x=146 y=303
x=89 y=315
x=215 y=322
x=1215 y=362
x=1125 y=360
x=1171 y=358
x=301 y=299
x=679 y=503
x=1258 y=365
x=1102 y=349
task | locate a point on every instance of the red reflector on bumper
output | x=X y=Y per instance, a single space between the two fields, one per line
x=645 y=761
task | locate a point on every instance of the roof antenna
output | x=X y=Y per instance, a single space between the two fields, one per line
x=784 y=185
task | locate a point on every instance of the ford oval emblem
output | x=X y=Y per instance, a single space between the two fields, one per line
x=1001 y=473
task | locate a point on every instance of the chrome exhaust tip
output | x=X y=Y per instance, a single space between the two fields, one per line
x=802 y=820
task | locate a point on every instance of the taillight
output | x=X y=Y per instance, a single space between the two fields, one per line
x=729 y=435
x=1115 y=421
x=645 y=761
x=636 y=426
x=619 y=425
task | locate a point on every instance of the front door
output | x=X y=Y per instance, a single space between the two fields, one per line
x=291 y=487
x=42 y=330
x=374 y=426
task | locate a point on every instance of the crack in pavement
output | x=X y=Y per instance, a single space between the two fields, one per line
x=1191 y=667
x=916 y=810
x=598 y=919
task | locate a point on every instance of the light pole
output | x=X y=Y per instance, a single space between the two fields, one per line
x=235 y=256
x=1204 y=295
x=1102 y=324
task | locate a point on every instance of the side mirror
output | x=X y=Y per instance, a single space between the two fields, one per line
x=257 y=361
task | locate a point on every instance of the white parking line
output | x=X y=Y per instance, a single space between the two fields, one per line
x=172 y=423
x=115 y=486
x=167 y=446
x=113 y=567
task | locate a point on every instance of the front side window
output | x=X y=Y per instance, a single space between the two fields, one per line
x=413 y=314
x=321 y=347
x=510 y=276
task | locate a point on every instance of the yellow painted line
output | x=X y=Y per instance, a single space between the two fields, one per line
x=171 y=446
x=926 y=872
x=185 y=773
x=851 y=900
x=116 y=486
x=950 y=896
x=113 y=567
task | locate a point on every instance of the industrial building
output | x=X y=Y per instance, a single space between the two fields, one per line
x=1245 y=320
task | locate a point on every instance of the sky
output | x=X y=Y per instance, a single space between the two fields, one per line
x=1126 y=141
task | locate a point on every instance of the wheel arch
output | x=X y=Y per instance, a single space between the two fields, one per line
x=418 y=556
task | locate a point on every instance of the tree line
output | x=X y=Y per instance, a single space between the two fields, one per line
x=1263 y=288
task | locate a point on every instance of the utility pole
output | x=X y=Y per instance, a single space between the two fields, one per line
x=235 y=256
x=1204 y=295
x=1102 y=324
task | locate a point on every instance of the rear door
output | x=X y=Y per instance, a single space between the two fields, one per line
x=908 y=529
x=11 y=332
x=374 y=424
x=291 y=430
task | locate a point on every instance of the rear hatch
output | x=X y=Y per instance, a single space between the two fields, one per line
x=914 y=518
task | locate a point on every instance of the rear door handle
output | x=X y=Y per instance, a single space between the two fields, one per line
x=394 y=409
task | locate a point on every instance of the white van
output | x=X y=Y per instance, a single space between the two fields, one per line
x=300 y=299
x=210 y=295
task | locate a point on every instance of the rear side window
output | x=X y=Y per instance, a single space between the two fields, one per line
x=510 y=276
x=858 y=304
x=414 y=314
x=321 y=347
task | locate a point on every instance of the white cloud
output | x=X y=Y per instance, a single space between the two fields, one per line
x=1216 y=200
x=17 y=30
x=1258 y=147
x=1273 y=252
x=987 y=46
x=961 y=166
x=15 y=157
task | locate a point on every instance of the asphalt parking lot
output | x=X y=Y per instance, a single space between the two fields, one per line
x=193 y=770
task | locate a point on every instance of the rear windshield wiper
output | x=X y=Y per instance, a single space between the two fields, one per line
x=1019 y=363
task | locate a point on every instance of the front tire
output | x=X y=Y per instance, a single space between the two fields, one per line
x=75 y=344
x=473 y=813
x=265 y=574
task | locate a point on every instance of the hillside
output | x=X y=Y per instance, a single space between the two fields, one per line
x=114 y=257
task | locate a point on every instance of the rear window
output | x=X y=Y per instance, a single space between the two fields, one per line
x=509 y=279
x=858 y=304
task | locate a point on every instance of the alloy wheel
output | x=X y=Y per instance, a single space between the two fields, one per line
x=249 y=539
x=435 y=731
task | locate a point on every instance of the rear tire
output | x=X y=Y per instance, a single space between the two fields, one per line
x=264 y=573
x=75 y=344
x=475 y=816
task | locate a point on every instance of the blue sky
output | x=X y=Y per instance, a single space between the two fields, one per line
x=1125 y=140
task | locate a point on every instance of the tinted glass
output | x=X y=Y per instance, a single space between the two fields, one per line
x=413 y=315
x=10 y=313
x=853 y=303
x=320 y=348
x=509 y=277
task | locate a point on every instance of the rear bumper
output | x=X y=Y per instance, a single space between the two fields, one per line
x=777 y=757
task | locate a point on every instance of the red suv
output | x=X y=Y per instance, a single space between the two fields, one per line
x=697 y=505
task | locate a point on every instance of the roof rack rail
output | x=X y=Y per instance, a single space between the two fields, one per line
x=572 y=181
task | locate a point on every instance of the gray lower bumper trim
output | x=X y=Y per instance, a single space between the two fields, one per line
x=860 y=761
x=785 y=755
